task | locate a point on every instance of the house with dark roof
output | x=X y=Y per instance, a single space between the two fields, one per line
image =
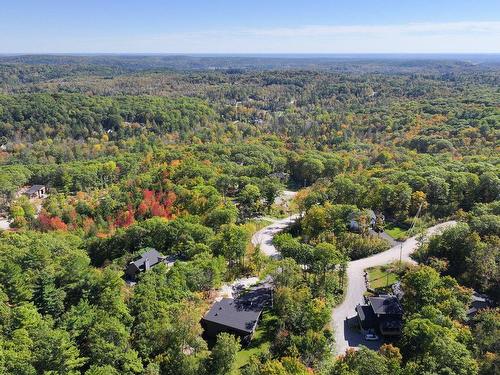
x=382 y=313
x=354 y=220
x=238 y=316
x=366 y=317
x=36 y=191
x=479 y=302
x=148 y=259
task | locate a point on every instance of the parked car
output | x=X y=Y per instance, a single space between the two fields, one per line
x=371 y=336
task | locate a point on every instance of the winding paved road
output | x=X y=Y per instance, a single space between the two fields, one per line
x=264 y=237
x=345 y=337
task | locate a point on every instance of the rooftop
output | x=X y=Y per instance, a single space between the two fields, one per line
x=241 y=313
x=366 y=317
x=152 y=256
x=479 y=302
x=385 y=305
x=33 y=189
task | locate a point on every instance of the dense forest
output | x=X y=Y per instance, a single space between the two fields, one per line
x=190 y=156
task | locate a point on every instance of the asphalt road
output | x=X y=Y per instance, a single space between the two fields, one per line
x=345 y=337
x=264 y=237
x=345 y=312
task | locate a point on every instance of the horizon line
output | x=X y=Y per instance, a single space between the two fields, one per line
x=229 y=54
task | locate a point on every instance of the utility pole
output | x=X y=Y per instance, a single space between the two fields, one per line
x=416 y=216
x=400 y=253
x=409 y=230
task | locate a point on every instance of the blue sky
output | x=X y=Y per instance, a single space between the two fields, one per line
x=257 y=26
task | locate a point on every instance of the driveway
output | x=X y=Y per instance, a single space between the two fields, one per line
x=231 y=290
x=285 y=197
x=343 y=316
x=264 y=237
x=386 y=237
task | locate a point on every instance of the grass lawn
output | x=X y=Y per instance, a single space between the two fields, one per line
x=261 y=340
x=396 y=232
x=381 y=276
x=254 y=225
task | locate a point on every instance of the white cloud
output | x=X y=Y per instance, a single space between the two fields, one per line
x=410 y=28
x=447 y=37
x=443 y=37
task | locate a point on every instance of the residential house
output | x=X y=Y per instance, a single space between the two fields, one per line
x=355 y=224
x=147 y=260
x=382 y=313
x=239 y=315
x=479 y=302
x=36 y=191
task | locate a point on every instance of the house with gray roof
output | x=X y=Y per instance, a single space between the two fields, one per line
x=36 y=191
x=479 y=302
x=238 y=316
x=148 y=259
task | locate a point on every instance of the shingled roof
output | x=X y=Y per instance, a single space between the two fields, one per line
x=366 y=317
x=242 y=313
x=150 y=258
x=385 y=305
x=33 y=189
